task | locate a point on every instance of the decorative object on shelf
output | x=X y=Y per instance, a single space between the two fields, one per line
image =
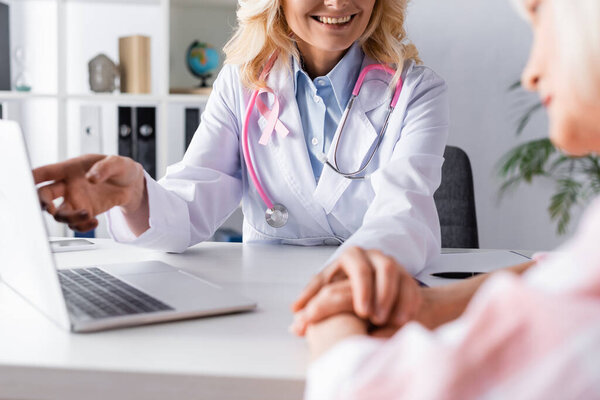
x=22 y=82
x=4 y=47
x=102 y=71
x=134 y=64
x=201 y=60
x=577 y=179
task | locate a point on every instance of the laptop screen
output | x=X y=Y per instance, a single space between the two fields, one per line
x=27 y=263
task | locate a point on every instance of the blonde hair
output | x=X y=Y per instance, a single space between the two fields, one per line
x=262 y=30
x=576 y=24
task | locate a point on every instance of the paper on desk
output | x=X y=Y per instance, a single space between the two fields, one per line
x=486 y=261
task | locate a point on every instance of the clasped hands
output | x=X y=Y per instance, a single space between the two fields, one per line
x=366 y=291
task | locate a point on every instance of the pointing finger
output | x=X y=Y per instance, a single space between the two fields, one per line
x=52 y=172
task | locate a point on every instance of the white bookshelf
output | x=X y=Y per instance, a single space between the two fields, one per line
x=61 y=36
x=125 y=98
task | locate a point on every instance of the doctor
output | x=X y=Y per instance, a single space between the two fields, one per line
x=277 y=136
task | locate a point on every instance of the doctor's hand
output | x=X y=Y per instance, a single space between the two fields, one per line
x=90 y=185
x=438 y=305
x=375 y=287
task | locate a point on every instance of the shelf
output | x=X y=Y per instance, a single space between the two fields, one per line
x=215 y=3
x=187 y=98
x=136 y=98
x=157 y=2
x=74 y=31
x=106 y=98
x=14 y=95
x=116 y=97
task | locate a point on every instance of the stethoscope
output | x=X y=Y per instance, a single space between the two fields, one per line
x=276 y=214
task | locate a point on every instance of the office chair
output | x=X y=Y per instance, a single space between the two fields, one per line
x=455 y=201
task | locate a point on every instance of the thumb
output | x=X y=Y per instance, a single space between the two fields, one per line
x=104 y=169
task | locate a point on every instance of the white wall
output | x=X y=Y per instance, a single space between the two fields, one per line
x=210 y=24
x=480 y=47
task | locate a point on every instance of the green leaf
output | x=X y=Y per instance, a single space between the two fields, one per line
x=526 y=160
x=567 y=195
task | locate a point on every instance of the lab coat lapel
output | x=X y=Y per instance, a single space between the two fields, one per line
x=358 y=137
x=290 y=152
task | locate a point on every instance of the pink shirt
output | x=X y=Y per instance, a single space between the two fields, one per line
x=536 y=337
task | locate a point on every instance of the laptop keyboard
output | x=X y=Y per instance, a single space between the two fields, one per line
x=93 y=293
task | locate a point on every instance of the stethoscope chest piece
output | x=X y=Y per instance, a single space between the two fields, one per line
x=277 y=216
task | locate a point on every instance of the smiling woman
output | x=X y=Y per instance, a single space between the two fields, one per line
x=275 y=116
x=377 y=25
x=321 y=30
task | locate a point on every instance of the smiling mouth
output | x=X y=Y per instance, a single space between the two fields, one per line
x=334 y=21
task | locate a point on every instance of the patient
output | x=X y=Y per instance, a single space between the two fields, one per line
x=530 y=336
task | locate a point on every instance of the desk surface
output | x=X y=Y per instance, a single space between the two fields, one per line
x=242 y=356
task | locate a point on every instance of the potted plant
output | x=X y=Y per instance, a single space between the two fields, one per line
x=576 y=179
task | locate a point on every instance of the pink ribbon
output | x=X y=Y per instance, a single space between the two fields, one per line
x=272 y=117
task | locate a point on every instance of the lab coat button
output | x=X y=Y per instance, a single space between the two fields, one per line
x=314 y=141
x=331 y=242
x=317 y=99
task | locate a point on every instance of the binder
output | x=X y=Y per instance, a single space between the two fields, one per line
x=10 y=110
x=4 y=48
x=192 y=120
x=145 y=139
x=125 y=130
x=91 y=129
x=137 y=136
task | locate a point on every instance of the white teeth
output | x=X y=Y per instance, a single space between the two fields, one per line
x=333 y=21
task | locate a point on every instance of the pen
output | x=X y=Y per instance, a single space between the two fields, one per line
x=456 y=275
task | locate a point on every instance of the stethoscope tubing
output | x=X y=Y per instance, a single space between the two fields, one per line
x=355 y=93
x=278 y=208
x=247 y=155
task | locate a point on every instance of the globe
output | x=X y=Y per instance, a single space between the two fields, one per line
x=202 y=59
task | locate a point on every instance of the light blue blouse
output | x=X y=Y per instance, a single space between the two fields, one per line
x=322 y=101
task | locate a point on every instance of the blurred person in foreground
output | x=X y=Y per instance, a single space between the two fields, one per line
x=531 y=332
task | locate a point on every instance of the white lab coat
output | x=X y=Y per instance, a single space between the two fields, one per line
x=393 y=211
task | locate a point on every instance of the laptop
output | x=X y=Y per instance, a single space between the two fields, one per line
x=89 y=298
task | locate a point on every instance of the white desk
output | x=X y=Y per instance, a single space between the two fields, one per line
x=243 y=356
